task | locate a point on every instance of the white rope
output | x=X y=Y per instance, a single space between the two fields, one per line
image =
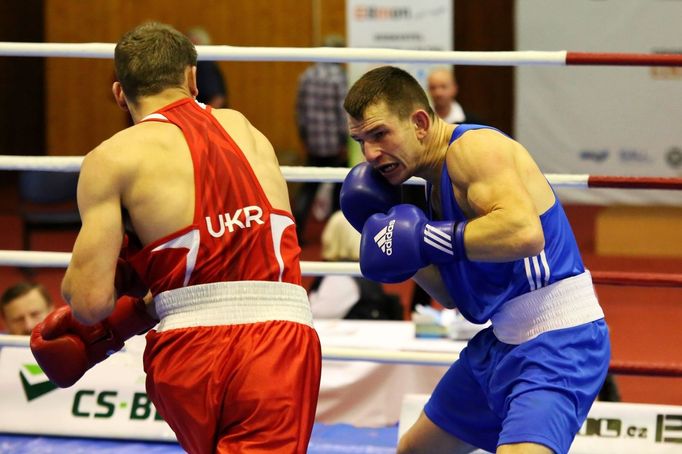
x=47 y=163
x=328 y=353
x=9 y=340
x=291 y=54
x=389 y=356
x=330 y=268
x=76 y=50
x=576 y=181
x=35 y=259
x=292 y=174
x=326 y=175
x=40 y=259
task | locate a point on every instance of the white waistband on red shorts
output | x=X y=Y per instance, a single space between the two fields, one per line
x=564 y=304
x=232 y=303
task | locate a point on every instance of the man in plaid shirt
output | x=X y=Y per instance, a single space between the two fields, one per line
x=322 y=126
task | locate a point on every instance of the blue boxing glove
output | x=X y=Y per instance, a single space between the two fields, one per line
x=365 y=192
x=394 y=246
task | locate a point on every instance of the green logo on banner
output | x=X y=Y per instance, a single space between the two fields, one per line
x=32 y=388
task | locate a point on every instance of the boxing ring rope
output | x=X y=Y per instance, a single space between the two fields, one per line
x=366 y=55
x=301 y=174
x=636 y=279
x=646 y=369
x=309 y=268
x=10 y=340
x=424 y=358
x=39 y=259
x=331 y=174
x=335 y=174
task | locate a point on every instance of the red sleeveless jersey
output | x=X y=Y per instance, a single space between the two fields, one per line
x=236 y=235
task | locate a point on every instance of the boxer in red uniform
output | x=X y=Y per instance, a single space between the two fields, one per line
x=234 y=363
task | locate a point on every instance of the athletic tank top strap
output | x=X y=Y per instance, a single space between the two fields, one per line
x=155 y=117
x=450 y=208
x=158 y=116
x=464 y=127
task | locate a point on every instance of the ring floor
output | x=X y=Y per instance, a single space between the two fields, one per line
x=326 y=439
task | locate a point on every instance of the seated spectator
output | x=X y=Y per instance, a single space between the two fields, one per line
x=23 y=306
x=346 y=296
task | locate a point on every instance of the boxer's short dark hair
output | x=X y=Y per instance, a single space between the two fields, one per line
x=151 y=58
x=397 y=88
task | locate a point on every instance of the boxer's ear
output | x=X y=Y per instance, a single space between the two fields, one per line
x=192 y=81
x=422 y=122
x=119 y=96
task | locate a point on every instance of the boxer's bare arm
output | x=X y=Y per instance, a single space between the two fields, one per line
x=88 y=282
x=504 y=220
x=273 y=181
x=430 y=280
x=260 y=154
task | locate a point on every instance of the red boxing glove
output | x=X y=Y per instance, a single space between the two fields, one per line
x=65 y=349
x=126 y=279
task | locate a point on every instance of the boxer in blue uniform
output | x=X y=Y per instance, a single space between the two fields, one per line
x=497 y=245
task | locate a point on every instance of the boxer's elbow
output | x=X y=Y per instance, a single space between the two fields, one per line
x=529 y=239
x=92 y=305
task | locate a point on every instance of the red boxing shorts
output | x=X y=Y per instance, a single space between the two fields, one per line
x=238 y=387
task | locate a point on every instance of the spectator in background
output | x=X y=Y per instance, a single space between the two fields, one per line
x=210 y=80
x=23 y=306
x=443 y=91
x=346 y=296
x=322 y=126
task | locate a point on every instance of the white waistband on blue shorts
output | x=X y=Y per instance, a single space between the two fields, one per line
x=564 y=304
x=232 y=303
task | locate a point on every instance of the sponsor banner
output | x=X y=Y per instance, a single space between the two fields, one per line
x=610 y=427
x=630 y=428
x=602 y=120
x=397 y=24
x=108 y=402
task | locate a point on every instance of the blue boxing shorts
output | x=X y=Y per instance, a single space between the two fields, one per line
x=539 y=391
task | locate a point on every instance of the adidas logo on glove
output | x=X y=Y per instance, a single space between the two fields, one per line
x=419 y=242
x=384 y=239
x=438 y=239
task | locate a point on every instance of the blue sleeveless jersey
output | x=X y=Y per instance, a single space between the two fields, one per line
x=480 y=288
